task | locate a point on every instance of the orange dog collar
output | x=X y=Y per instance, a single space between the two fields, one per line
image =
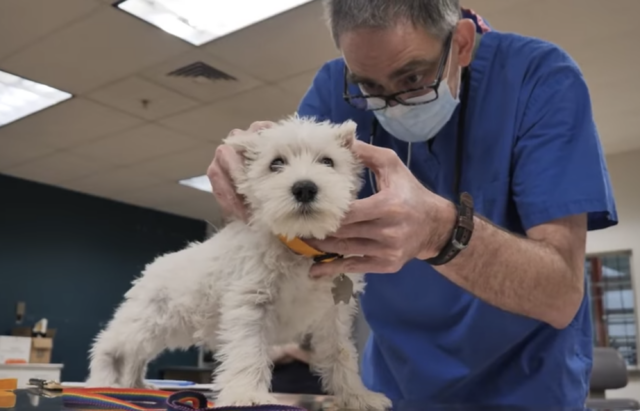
x=300 y=247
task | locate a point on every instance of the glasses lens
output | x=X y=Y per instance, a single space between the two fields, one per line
x=418 y=97
x=358 y=102
x=367 y=103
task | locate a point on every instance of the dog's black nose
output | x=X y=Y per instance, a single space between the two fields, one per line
x=304 y=191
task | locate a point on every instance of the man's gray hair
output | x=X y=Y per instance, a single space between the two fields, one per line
x=438 y=17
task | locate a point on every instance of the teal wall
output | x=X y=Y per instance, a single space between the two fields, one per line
x=71 y=257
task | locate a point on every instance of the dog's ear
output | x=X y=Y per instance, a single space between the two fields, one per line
x=346 y=133
x=244 y=143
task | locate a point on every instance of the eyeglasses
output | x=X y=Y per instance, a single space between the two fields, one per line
x=373 y=102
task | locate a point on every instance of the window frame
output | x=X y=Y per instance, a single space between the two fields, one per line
x=636 y=308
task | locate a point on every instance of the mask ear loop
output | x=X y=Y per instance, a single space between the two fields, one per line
x=449 y=62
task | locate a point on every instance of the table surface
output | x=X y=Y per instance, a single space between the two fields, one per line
x=30 y=366
x=31 y=400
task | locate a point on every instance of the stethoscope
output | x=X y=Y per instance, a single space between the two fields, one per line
x=466 y=81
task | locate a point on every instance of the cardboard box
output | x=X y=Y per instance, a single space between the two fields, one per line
x=14 y=349
x=26 y=332
x=41 y=350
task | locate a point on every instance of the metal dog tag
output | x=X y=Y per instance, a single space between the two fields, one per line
x=342 y=289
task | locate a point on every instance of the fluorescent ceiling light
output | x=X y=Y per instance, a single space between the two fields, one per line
x=200 y=21
x=199 y=182
x=21 y=97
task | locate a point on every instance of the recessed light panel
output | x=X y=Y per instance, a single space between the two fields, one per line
x=200 y=21
x=199 y=183
x=20 y=97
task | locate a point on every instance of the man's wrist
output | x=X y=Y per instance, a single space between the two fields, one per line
x=446 y=217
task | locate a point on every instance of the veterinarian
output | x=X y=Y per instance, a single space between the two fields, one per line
x=486 y=173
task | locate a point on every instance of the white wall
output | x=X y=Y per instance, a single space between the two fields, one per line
x=625 y=177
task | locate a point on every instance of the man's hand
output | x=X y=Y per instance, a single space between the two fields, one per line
x=540 y=276
x=402 y=221
x=225 y=160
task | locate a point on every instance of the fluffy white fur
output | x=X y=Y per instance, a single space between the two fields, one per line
x=243 y=291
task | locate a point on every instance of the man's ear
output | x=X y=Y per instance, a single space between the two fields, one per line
x=346 y=133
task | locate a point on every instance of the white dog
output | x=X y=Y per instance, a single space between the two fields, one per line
x=244 y=290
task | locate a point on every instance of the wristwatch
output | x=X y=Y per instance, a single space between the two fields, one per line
x=462 y=232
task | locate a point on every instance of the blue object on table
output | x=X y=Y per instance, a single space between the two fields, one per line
x=171 y=382
x=175 y=403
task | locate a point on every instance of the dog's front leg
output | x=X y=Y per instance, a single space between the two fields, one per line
x=244 y=374
x=335 y=358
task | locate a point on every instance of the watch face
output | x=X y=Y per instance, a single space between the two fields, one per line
x=458 y=245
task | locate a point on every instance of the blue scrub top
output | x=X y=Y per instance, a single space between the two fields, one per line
x=531 y=155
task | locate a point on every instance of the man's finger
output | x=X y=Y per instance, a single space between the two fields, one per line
x=373 y=157
x=360 y=265
x=358 y=246
x=228 y=159
x=364 y=229
x=366 y=209
x=225 y=164
x=230 y=202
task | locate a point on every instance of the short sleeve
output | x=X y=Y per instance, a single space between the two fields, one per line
x=559 y=168
x=317 y=100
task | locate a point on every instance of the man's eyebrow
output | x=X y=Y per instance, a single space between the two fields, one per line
x=412 y=66
x=355 y=78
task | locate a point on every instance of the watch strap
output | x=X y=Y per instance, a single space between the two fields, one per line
x=461 y=235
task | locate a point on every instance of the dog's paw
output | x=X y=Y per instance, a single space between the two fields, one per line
x=236 y=398
x=364 y=400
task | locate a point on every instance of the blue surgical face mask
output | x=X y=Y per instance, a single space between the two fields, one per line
x=420 y=123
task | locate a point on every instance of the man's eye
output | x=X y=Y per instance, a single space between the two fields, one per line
x=414 y=79
x=370 y=88
x=276 y=164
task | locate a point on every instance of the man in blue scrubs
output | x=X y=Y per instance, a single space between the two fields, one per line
x=445 y=106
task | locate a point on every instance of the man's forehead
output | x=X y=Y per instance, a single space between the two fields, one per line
x=395 y=71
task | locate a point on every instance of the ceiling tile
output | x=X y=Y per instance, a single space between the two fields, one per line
x=298 y=85
x=16 y=151
x=69 y=123
x=215 y=121
x=142 y=98
x=56 y=168
x=177 y=166
x=562 y=22
x=285 y=45
x=112 y=182
x=489 y=8
x=104 y=47
x=23 y=22
x=202 y=89
x=136 y=145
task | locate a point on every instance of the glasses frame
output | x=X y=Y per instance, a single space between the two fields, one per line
x=394 y=97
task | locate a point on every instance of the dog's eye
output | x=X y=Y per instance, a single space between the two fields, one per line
x=327 y=161
x=277 y=164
